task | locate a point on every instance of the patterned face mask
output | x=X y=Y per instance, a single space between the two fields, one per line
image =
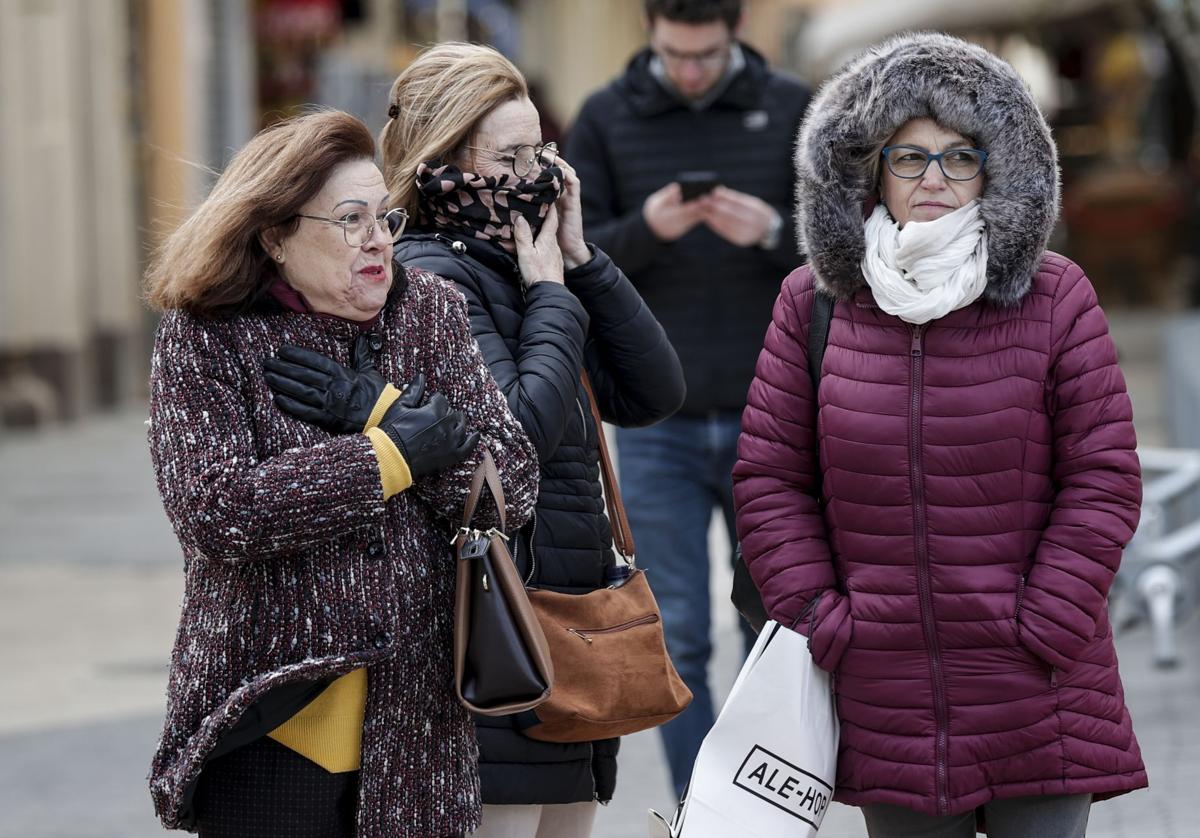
x=483 y=205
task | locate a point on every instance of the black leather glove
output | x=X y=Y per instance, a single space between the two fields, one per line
x=430 y=437
x=322 y=392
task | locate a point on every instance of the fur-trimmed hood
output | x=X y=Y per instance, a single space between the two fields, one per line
x=964 y=88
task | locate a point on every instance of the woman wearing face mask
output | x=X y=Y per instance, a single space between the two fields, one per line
x=943 y=520
x=497 y=212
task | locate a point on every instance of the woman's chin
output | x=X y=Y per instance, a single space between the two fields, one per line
x=368 y=297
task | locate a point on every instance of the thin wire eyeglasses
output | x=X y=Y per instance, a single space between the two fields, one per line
x=709 y=59
x=358 y=228
x=909 y=162
x=525 y=159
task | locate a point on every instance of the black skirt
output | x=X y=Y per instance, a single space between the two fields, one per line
x=266 y=790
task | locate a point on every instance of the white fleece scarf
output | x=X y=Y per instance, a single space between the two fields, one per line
x=928 y=269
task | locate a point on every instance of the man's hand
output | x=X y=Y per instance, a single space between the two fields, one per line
x=738 y=218
x=668 y=216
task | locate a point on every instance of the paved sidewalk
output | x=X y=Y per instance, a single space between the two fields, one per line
x=89 y=591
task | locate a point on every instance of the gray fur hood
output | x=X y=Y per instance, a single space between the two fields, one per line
x=961 y=86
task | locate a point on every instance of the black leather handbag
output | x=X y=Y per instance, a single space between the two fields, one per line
x=745 y=596
x=501 y=659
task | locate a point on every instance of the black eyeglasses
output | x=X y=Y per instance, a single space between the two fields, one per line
x=906 y=161
x=525 y=159
x=359 y=227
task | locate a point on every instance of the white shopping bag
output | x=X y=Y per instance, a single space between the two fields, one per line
x=767 y=767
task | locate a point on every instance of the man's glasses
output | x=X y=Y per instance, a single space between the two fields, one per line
x=359 y=227
x=906 y=161
x=525 y=159
x=710 y=59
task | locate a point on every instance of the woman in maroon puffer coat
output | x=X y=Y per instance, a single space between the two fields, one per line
x=944 y=523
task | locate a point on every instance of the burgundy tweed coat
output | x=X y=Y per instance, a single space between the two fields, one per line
x=296 y=567
x=979 y=482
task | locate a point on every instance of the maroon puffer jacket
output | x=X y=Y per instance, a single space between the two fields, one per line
x=980 y=482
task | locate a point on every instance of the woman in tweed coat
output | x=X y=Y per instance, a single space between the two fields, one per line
x=311 y=687
x=944 y=516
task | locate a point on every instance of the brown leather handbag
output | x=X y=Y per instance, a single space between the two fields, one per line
x=612 y=672
x=502 y=662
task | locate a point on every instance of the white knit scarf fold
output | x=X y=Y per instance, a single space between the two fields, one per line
x=929 y=268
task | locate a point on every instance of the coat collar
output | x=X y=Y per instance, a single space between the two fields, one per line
x=488 y=254
x=277 y=296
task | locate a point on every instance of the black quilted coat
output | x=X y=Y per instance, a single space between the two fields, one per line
x=536 y=342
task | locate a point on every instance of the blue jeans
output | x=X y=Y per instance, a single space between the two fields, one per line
x=672 y=475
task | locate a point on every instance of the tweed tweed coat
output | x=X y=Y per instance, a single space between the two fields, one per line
x=296 y=567
x=945 y=522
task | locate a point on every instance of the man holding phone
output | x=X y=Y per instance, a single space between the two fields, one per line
x=686 y=169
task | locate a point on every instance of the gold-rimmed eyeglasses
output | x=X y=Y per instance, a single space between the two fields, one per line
x=359 y=227
x=525 y=159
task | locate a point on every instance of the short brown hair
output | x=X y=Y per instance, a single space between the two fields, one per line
x=695 y=11
x=214 y=264
x=435 y=106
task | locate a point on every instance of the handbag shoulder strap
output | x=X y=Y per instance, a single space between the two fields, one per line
x=621 y=531
x=485 y=472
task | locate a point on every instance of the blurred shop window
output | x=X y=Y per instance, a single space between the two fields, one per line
x=291 y=35
x=493 y=22
x=1035 y=67
x=346 y=53
x=1127 y=198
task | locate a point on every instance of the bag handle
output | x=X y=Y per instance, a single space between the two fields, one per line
x=621 y=531
x=485 y=472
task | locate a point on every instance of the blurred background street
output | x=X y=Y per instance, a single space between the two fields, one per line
x=116 y=116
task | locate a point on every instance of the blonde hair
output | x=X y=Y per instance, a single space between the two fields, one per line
x=435 y=106
x=214 y=264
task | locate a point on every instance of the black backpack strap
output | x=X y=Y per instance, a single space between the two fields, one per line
x=745 y=595
x=818 y=336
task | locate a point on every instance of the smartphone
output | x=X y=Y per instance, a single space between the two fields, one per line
x=695 y=184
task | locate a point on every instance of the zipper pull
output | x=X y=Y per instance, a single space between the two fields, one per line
x=579 y=633
x=475 y=546
x=915 y=349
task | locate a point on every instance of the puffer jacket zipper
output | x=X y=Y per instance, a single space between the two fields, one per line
x=532 y=552
x=924 y=586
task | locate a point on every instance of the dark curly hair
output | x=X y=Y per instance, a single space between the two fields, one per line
x=695 y=11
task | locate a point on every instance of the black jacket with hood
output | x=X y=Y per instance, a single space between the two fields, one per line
x=536 y=341
x=714 y=298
